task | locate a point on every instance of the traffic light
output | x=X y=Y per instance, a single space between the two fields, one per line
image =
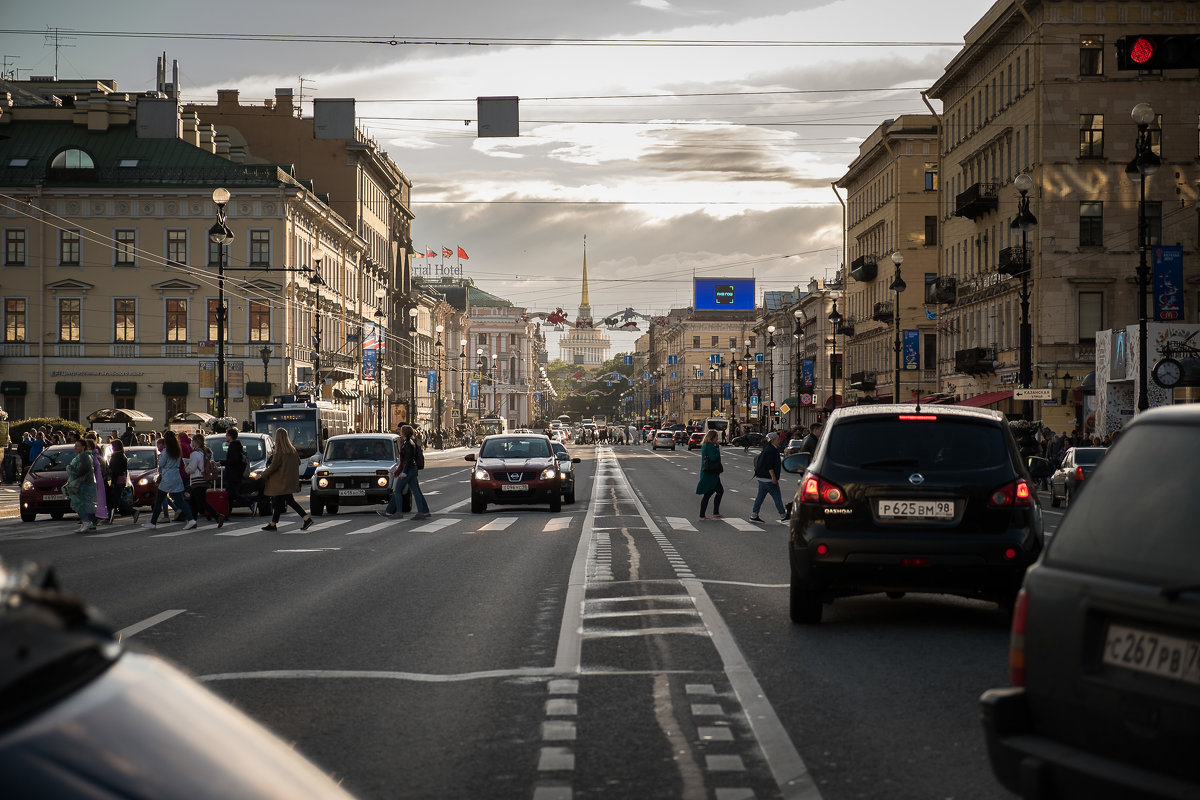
x=1153 y=51
x=741 y=369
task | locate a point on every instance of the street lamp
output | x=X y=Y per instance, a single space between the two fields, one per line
x=479 y=372
x=316 y=282
x=413 y=313
x=1025 y=222
x=495 y=380
x=733 y=374
x=798 y=338
x=712 y=395
x=379 y=317
x=771 y=373
x=462 y=374
x=898 y=285
x=265 y=355
x=835 y=321
x=440 y=367
x=1144 y=164
x=747 y=360
x=220 y=235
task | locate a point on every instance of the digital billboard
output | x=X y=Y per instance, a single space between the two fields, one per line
x=724 y=294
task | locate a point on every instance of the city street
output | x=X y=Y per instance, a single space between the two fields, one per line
x=618 y=649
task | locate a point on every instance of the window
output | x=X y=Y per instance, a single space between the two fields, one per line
x=123 y=401
x=716 y=341
x=695 y=402
x=214 y=313
x=68 y=319
x=1153 y=223
x=176 y=321
x=1091 y=135
x=512 y=340
x=732 y=343
x=124 y=242
x=68 y=248
x=260 y=321
x=929 y=356
x=1091 y=55
x=931 y=231
x=481 y=340
x=14 y=247
x=216 y=252
x=1091 y=224
x=177 y=248
x=176 y=405
x=931 y=176
x=1091 y=316
x=72 y=159
x=14 y=320
x=696 y=342
x=68 y=408
x=14 y=404
x=125 y=319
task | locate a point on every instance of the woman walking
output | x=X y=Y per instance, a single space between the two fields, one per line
x=81 y=486
x=99 y=468
x=410 y=451
x=118 y=466
x=198 y=480
x=170 y=484
x=710 y=476
x=282 y=479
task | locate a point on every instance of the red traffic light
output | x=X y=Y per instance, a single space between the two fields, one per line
x=1142 y=50
x=1147 y=52
x=772 y=404
x=740 y=369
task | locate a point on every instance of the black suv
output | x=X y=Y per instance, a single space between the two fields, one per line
x=1105 y=653
x=903 y=499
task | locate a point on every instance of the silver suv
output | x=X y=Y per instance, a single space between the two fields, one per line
x=355 y=469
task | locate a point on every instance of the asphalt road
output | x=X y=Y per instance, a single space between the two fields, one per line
x=618 y=649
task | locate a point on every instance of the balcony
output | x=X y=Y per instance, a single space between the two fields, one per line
x=863 y=381
x=943 y=291
x=864 y=268
x=975 y=360
x=883 y=312
x=976 y=201
x=1013 y=260
x=846 y=328
x=177 y=351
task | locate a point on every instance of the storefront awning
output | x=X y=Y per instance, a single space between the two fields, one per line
x=175 y=388
x=13 y=387
x=124 y=388
x=832 y=402
x=985 y=399
x=68 y=388
x=345 y=394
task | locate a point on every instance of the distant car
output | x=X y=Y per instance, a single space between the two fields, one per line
x=681 y=437
x=793 y=446
x=897 y=501
x=42 y=489
x=664 y=440
x=1105 y=701
x=695 y=440
x=143 y=471
x=259 y=448
x=356 y=469
x=566 y=471
x=515 y=469
x=752 y=439
x=1077 y=465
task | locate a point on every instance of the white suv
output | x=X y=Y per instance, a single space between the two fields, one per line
x=355 y=469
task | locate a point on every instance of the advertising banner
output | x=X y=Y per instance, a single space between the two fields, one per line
x=806 y=373
x=912 y=348
x=1168 y=283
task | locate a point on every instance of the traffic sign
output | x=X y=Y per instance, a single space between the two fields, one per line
x=785 y=408
x=1032 y=394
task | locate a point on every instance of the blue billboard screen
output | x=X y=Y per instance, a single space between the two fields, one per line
x=724 y=294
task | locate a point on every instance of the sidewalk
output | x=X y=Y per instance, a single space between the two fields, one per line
x=9 y=496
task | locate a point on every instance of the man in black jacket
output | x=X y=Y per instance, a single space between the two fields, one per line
x=235 y=466
x=766 y=469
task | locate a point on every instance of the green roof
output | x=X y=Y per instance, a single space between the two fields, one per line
x=481 y=298
x=166 y=162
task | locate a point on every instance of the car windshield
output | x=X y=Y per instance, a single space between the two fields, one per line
x=517 y=447
x=252 y=447
x=1089 y=455
x=560 y=451
x=53 y=460
x=945 y=443
x=359 y=450
x=1138 y=515
x=142 y=459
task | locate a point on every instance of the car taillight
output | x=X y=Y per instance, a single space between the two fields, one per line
x=1079 y=473
x=1016 y=642
x=1012 y=495
x=816 y=489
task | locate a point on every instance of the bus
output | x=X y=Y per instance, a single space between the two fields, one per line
x=308 y=424
x=718 y=424
x=492 y=425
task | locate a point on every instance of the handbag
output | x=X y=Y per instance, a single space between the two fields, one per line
x=711 y=466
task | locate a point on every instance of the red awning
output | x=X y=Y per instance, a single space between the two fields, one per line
x=832 y=402
x=941 y=398
x=986 y=399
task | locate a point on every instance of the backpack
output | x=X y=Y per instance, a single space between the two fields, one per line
x=758 y=459
x=210 y=470
x=419 y=456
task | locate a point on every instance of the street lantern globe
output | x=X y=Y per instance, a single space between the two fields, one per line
x=1023 y=183
x=897 y=258
x=1143 y=115
x=265 y=355
x=835 y=316
x=220 y=196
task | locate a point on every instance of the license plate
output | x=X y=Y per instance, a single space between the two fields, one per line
x=352 y=492
x=514 y=487
x=1157 y=654
x=54 y=497
x=916 y=509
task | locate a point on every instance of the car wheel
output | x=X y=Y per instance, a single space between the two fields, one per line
x=805 y=605
x=332 y=508
x=28 y=516
x=556 y=502
x=569 y=497
x=57 y=514
x=316 y=506
x=478 y=506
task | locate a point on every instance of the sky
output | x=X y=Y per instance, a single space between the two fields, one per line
x=683 y=138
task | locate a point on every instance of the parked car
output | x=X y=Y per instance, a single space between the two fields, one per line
x=663 y=440
x=42 y=489
x=566 y=471
x=793 y=446
x=695 y=440
x=897 y=501
x=355 y=469
x=515 y=469
x=1105 y=701
x=259 y=449
x=1068 y=480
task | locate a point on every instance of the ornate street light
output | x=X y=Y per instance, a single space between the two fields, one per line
x=1144 y=164
x=835 y=322
x=315 y=281
x=1025 y=222
x=379 y=318
x=898 y=285
x=220 y=235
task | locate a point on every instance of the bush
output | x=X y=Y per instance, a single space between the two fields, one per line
x=17 y=429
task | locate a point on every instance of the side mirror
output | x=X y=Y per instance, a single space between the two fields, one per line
x=577 y=460
x=469 y=457
x=1039 y=468
x=797 y=462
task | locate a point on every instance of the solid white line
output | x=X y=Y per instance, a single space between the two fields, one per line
x=342 y=674
x=570 y=640
x=149 y=622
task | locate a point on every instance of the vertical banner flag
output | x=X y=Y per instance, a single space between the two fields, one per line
x=912 y=348
x=372 y=348
x=431 y=381
x=1168 y=283
x=806 y=373
x=725 y=391
x=754 y=386
x=474 y=392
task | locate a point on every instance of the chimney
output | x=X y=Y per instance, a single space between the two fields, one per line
x=207 y=135
x=221 y=145
x=227 y=97
x=283 y=101
x=191 y=124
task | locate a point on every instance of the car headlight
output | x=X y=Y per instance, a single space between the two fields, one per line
x=382 y=480
x=253 y=474
x=481 y=475
x=322 y=483
x=145 y=480
x=549 y=473
x=563 y=475
x=27 y=485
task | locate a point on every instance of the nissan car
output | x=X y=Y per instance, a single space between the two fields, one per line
x=515 y=469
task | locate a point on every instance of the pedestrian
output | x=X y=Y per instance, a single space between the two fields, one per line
x=81 y=486
x=281 y=481
x=766 y=470
x=118 y=468
x=197 y=467
x=235 y=467
x=100 y=470
x=709 y=484
x=36 y=445
x=411 y=460
x=170 y=484
x=809 y=445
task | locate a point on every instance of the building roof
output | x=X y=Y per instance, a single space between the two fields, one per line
x=478 y=297
x=778 y=301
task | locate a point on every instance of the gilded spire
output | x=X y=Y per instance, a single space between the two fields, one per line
x=585 y=306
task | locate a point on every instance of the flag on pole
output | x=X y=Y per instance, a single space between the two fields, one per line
x=463 y=254
x=431 y=253
x=418 y=255
x=447 y=252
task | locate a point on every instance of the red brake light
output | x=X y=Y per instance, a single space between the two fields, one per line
x=816 y=489
x=1012 y=495
x=1016 y=642
x=1079 y=473
x=917 y=418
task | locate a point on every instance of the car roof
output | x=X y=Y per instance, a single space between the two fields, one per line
x=518 y=436
x=341 y=437
x=887 y=409
x=242 y=435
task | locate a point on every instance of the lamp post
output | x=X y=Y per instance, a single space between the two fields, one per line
x=835 y=322
x=733 y=374
x=379 y=317
x=1144 y=164
x=265 y=355
x=412 y=370
x=898 y=285
x=315 y=281
x=220 y=235
x=462 y=376
x=747 y=360
x=1025 y=221
x=712 y=395
x=478 y=371
x=495 y=380
x=799 y=343
x=771 y=375
x=439 y=374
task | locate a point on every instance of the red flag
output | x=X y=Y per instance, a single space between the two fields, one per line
x=431 y=253
x=463 y=254
x=447 y=252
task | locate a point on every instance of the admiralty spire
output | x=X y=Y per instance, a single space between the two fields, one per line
x=583 y=344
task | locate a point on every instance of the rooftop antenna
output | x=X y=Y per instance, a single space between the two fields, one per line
x=54 y=36
x=300 y=104
x=9 y=74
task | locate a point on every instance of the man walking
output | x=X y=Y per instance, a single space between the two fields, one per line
x=809 y=445
x=766 y=470
x=411 y=461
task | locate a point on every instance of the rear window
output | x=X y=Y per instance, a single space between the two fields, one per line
x=1137 y=518
x=1089 y=455
x=942 y=444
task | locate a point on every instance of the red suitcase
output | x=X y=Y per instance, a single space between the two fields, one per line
x=218 y=498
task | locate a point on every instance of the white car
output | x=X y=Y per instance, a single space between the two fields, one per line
x=664 y=440
x=356 y=469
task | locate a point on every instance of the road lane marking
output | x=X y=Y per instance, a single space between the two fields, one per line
x=557 y=524
x=744 y=525
x=680 y=524
x=149 y=622
x=499 y=524
x=433 y=525
x=379 y=526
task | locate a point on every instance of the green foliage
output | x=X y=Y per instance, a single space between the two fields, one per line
x=54 y=424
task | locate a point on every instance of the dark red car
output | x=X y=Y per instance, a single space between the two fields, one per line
x=42 y=490
x=515 y=468
x=143 y=470
x=695 y=440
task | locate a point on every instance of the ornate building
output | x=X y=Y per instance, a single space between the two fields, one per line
x=584 y=344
